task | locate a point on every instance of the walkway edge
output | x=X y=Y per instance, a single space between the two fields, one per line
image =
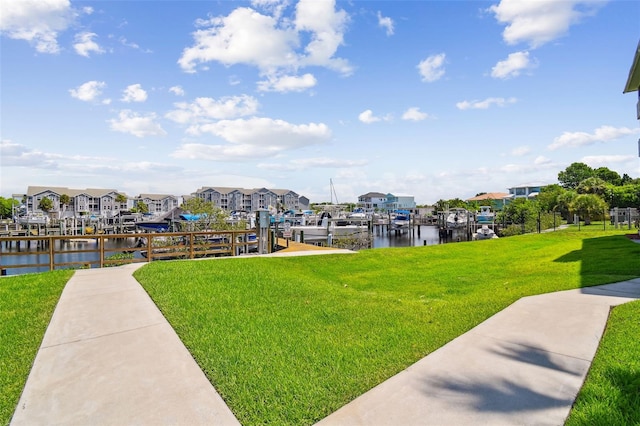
x=109 y=357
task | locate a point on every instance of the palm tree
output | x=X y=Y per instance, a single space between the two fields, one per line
x=588 y=205
x=592 y=185
x=121 y=199
x=64 y=201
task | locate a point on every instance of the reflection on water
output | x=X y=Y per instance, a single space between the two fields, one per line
x=418 y=236
x=60 y=256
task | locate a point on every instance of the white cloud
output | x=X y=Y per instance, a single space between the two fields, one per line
x=414 y=114
x=540 y=160
x=177 y=90
x=89 y=91
x=539 y=22
x=326 y=27
x=17 y=155
x=485 y=103
x=267 y=131
x=605 y=160
x=386 y=23
x=512 y=66
x=134 y=93
x=368 y=117
x=37 y=21
x=137 y=124
x=601 y=134
x=84 y=44
x=431 y=69
x=520 y=151
x=312 y=163
x=253 y=138
x=287 y=83
x=204 y=110
x=269 y=42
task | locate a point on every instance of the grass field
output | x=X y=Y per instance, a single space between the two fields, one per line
x=611 y=393
x=290 y=340
x=26 y=305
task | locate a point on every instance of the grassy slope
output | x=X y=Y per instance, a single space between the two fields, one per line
x=26 y=305
x=611 y=393
x=289 y=340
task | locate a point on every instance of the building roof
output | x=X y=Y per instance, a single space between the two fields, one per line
x=633 y=81
x=93 y=192
x=489 y=196
x=155 y=196
x=373 y=195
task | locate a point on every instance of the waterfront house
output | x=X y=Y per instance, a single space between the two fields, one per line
x=372 y=201
x=525 y=190
x=400 y=202
x=495 y=200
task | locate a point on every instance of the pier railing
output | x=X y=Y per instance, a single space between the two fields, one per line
x=59 y=252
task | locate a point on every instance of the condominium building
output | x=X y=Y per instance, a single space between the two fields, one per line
x=242 y=199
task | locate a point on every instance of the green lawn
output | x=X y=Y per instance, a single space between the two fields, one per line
x=290 y=340
x=611 y=393
x=26 y=305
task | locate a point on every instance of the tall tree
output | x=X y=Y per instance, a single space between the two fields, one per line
x=64 y=201
x=571 y=177
x=548 y=197
x=608 y=175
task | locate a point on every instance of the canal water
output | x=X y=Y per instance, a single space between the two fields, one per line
x=60 y=256
x=423 y=235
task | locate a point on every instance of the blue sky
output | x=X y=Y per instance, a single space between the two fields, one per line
x=436 y=99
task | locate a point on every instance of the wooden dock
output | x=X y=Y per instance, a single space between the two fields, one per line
x=290 y=246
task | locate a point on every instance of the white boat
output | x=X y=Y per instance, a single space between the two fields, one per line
x=457 y=218
x=485 y=233
x=321 y=233
x=33 y=219
x=485 y=215
x=400 y=220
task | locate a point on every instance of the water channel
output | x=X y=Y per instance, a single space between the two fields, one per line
x=424 y=235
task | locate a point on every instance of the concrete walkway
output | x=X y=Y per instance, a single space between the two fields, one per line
x=110 y=358
x=523 y=366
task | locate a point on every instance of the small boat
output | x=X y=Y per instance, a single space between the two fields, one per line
x=33 y=219
x=485 y=233
x=161 y=226
x=400 y=220
x=485 y=215
x=457 y=218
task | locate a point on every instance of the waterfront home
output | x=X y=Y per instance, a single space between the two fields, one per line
x=495 y=200
x=525 y=190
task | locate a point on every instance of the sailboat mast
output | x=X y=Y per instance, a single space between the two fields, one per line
x=333 y=191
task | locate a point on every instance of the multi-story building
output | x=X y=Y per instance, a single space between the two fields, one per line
x=158 y=203
x=91 y=201
x=386 y=202
x=525 y=190
x=241 y=199
x=400 y=202
x=372 y=201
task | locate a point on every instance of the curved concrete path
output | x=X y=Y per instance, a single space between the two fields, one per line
x=110 y=358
